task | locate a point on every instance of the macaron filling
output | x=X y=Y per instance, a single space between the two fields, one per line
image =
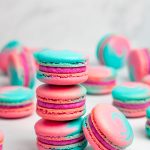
x=60 y=106
x=99 y=137
x=62 y=70
x=63 y=142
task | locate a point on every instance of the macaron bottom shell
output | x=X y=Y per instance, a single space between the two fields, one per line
x=14 y=113
x=62 y=79
x=78 y=146
x=95 y=89
x=60 y=115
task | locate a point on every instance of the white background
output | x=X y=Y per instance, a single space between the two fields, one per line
x=76 y=25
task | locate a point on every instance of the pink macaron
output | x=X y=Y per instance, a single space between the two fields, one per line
x=106 y=128
x=60 y=103
x=101 y=80
x=146 y=79
x=139 y=64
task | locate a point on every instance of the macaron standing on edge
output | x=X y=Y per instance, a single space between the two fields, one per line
x=113 y=50
x=107 y=128
x=61 y=103
x=8 y=49
x=138 y=64
x=61 y=67
x=16 y=102
x=60 y=135
x=132 y=98
x=22 y=69
x=101 y=80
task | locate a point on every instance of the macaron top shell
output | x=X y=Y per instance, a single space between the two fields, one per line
x=61 y=92
x=58 y=57
x=12 y=45
x=14 y=94
x=148 y=112
x=54 y=128
x=101 y=73
x=113 y=124
x=129 y=91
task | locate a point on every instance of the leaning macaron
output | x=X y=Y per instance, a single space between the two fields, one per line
x=138 y=64
x=16 y=102
x=107 y=128
x=113 y=50
x=101 y=80
x=60 y=135
x=132 y=98
x=61 y=67
x=60 y=103
x=1 y=140
x=8 y=49
x=147 y=126
x=22 y=69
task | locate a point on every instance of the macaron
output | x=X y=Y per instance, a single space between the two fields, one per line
x=1 y=140
x=60 y=135
x=147 y=126
x=138 y=64
x=8 y=49
x=113 y=50
x=61 y=67
x=16 y=102
x=146 y=79
x=132 y=98
x=101 y=80
x=61 y=103
x=22 y=69
x=106 y=128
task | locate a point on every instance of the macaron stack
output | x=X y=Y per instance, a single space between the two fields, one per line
x=61 y=100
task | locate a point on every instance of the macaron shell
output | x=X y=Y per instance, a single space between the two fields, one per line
x=71 y=92
x=62 y=79
x=138 y=65
x=53 y=128
x=115 y=124
x=146 y=79
x=17 y=113
x=60 y=115
x=65 y=56
x=130 y=91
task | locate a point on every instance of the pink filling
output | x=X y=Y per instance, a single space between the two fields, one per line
x=101 y=83
x=98 y=136
x=62 y=70
x=62 y=143
x=131 y=106
x=26 y=70
x=60 y=106
x=17 y=106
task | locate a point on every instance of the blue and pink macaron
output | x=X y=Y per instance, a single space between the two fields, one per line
x=106 y=128
x=113 y=50
x=16 y=102
x=61 y=67
x=147 y=126
x=60 y=135
x=132 y=98
x=9 y=48
x=101 y=80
